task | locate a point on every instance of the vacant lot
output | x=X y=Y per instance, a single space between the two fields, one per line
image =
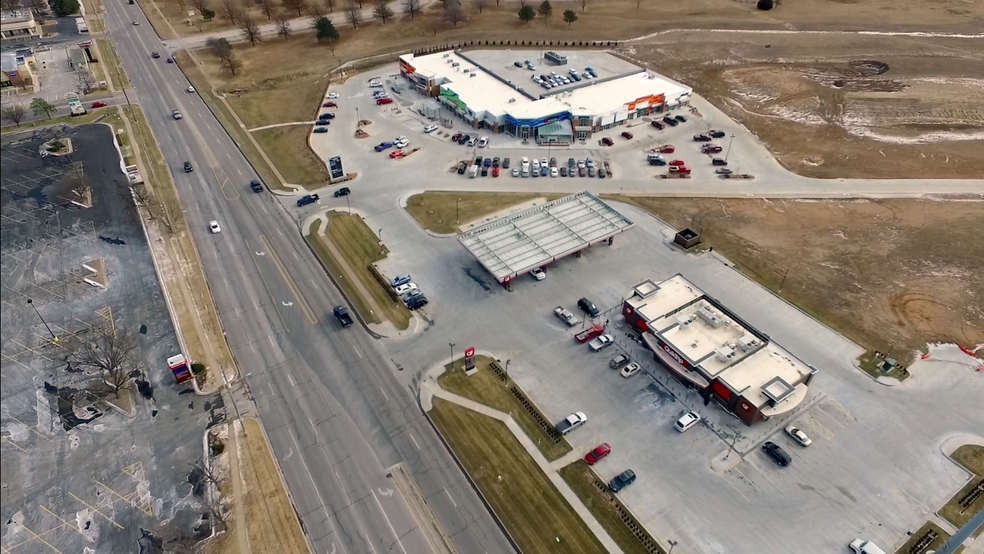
x=891 y=274
x=533 y=511
x=487 y=388
x=867 y=106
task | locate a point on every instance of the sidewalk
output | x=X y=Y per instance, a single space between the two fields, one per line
x=429 y=389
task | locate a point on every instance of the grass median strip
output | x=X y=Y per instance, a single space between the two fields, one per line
x=536 y=515
x=112 y=65
x=61 y=120
x=485 y=387
x=941 y=537
x=316 y=239
x=967 y=502
x=440 y=212
x=609 y=510
x=298 y=165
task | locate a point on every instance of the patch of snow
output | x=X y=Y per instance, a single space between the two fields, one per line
x=795 y=116
x=87 y=525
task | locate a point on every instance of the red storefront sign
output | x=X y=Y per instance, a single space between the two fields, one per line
x=470 y=358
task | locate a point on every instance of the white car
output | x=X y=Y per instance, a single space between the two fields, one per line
x=538 y=274
x=601 y=343
x=400 y=138
x=483 y=142
x=515 y=172
x=214 y=227
x=798 y=435
x=401 y=143
x=865 y=547
x=631 y=369
x=430 y=128
x=554 y=172
x=525 y=162
x=332 y=95
x=536 y=165
x=405 y=288
x=375 y=84
x=190 y=89
x=135 y=22
x=176 y=114
x=687 y=421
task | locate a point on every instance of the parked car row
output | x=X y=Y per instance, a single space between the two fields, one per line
x=408 y=291
x=469 y=140
x=381 y=97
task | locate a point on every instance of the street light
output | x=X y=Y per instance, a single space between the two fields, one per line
x=457 y=220
x=53 y=337
x=451 y=344
x=729 y=147
x=672 y=544
x=357 y=119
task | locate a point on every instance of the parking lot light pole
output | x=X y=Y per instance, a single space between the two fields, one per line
x=358 y=120
x=451 y=344
x=53 y=337
x=457 y=220
x=729 y=147
x=672 y=544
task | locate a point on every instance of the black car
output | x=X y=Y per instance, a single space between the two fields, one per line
x=670 y=121
x=307 y=199
x=485 y=172
x=702 y=138
x=658 y=125
x=571 y=164
x=464 y=139
x=155 y=55
x=681 y=119
x=505 y=163
x=719 y=161
x=777 y=453
x=417 y=302
x=518 y=64
x=589 y=307
x=715 y=133
x=326 y=116
x=188 y=168
x=563 y=172
x=344 y=191
x=478 y=160
x=495 y=161
x=256 y=186
x=322 y=122
x=622 y=480
x=462 y=167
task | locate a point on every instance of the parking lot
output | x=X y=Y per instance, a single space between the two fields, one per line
x=875 y=469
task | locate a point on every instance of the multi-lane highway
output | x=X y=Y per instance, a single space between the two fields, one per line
x=336 y=411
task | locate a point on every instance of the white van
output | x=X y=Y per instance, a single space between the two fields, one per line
x=865 y=547
x=473 y=172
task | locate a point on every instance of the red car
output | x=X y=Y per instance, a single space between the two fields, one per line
x=681 y=169
x=598 y=453
x=607 y=141
x=456 y=136
x=627 y=134
x=495 y=171
x=589 y=333
x=382 y=101
x=329 y=105
x=677 y=162
x=98 y=104
x=667 y=149
x=397 y=154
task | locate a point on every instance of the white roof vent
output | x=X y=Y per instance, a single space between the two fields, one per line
x=684 y=320
x=709 y=317
x=725 y=353
x=511 y=100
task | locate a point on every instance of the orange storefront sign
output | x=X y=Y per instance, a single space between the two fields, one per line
x=652 y=100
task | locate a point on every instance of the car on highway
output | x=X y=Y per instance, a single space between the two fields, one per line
x=598 y=453
x=187 y=167
x=190 y=89
x=214 y=227
x=630 y=370
x=332 y=95
x=383 y=146
x=777 y=454
x=320 y=130
x=135 y=22
x=622 y=480
x=170 y=60
x=798 y=435
x=98 y=104
x=176 y=114
x=538 y=273
x=397 y=154
x=256 y=185
x=329 y=105
x=626 y=135
x=602 y=342
x=344 y=191
x=155 y=55
x=687 y=421
x=430 y=128
x=307 y=199
x=723 y=171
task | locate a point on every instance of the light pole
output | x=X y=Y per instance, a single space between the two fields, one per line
x=349 y=204
x=672 y=544
x=451 y=344
x=729 y=147
x=53 y=337
x=457 y=220
x=358 y=120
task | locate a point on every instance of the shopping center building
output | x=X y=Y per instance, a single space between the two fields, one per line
x=496 y=90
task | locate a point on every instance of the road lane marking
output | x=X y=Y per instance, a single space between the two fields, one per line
x=414 y=441
x=291 y=379
x=451 y=498
x=392 y=530
x=290 y=281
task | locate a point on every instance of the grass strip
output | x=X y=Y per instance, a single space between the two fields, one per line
x=60 y=120
x=533 y=511
x=351 y=291
x=298 y=165
x=941 y=537
x=624 y=529
x=485 y=387
x=971 y=457
x=114 y=67
x=441 y=212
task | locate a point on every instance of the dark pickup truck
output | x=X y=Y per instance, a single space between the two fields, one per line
x=307 y=199
x=341 y=312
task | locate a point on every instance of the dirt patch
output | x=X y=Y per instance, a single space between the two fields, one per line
x=892 y=275
x=879 y=107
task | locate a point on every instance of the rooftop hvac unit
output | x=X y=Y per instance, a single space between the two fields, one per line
x=456 y=64
x=747 y=342
x=472 y=75
x=511 y=100
x=466 y=70
x=684 y=320
x=725 y=353
x=709 y=317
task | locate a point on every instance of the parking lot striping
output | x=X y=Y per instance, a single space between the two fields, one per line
x=840 y=407
x=14 y=444
x=290 y=281
x=94 y=509
x=414 y=441
x=736 y=490
x=747 y=480
x=15 y=360
x=832 y=418
x=820 y=429
x=698 y=441
x=658 y=516
x=911 y=499
x=143 y=507
x=65 y=523
x=38 y=537
x=31 y=427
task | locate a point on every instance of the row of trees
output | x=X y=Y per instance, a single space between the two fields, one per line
x=15 y=113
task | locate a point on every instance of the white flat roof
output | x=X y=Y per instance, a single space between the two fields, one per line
x=699 y=340
x=749 y=377
x=531 y=238
x=485 y=93
x=654 y=303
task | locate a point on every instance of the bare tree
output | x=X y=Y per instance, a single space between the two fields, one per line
x=13 y=113
x=229 y=10
x=295 y=5
x=480 y=4
x=353 y=14
x=222 y=50
x=382 y=11
x=283 y=26
x=453 y=13
x=38 y=7
x=114 y=355
x=199 y=5
x=78 y=181
x=584 y=4
x=330 y=4
x=251 y=31
x=207 y=484
x=267 y=7
x=411 y=7
x=315 y=10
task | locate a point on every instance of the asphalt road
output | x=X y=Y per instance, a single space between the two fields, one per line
x=333 y=406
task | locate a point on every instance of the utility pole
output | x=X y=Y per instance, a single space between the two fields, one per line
x=729 y=147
